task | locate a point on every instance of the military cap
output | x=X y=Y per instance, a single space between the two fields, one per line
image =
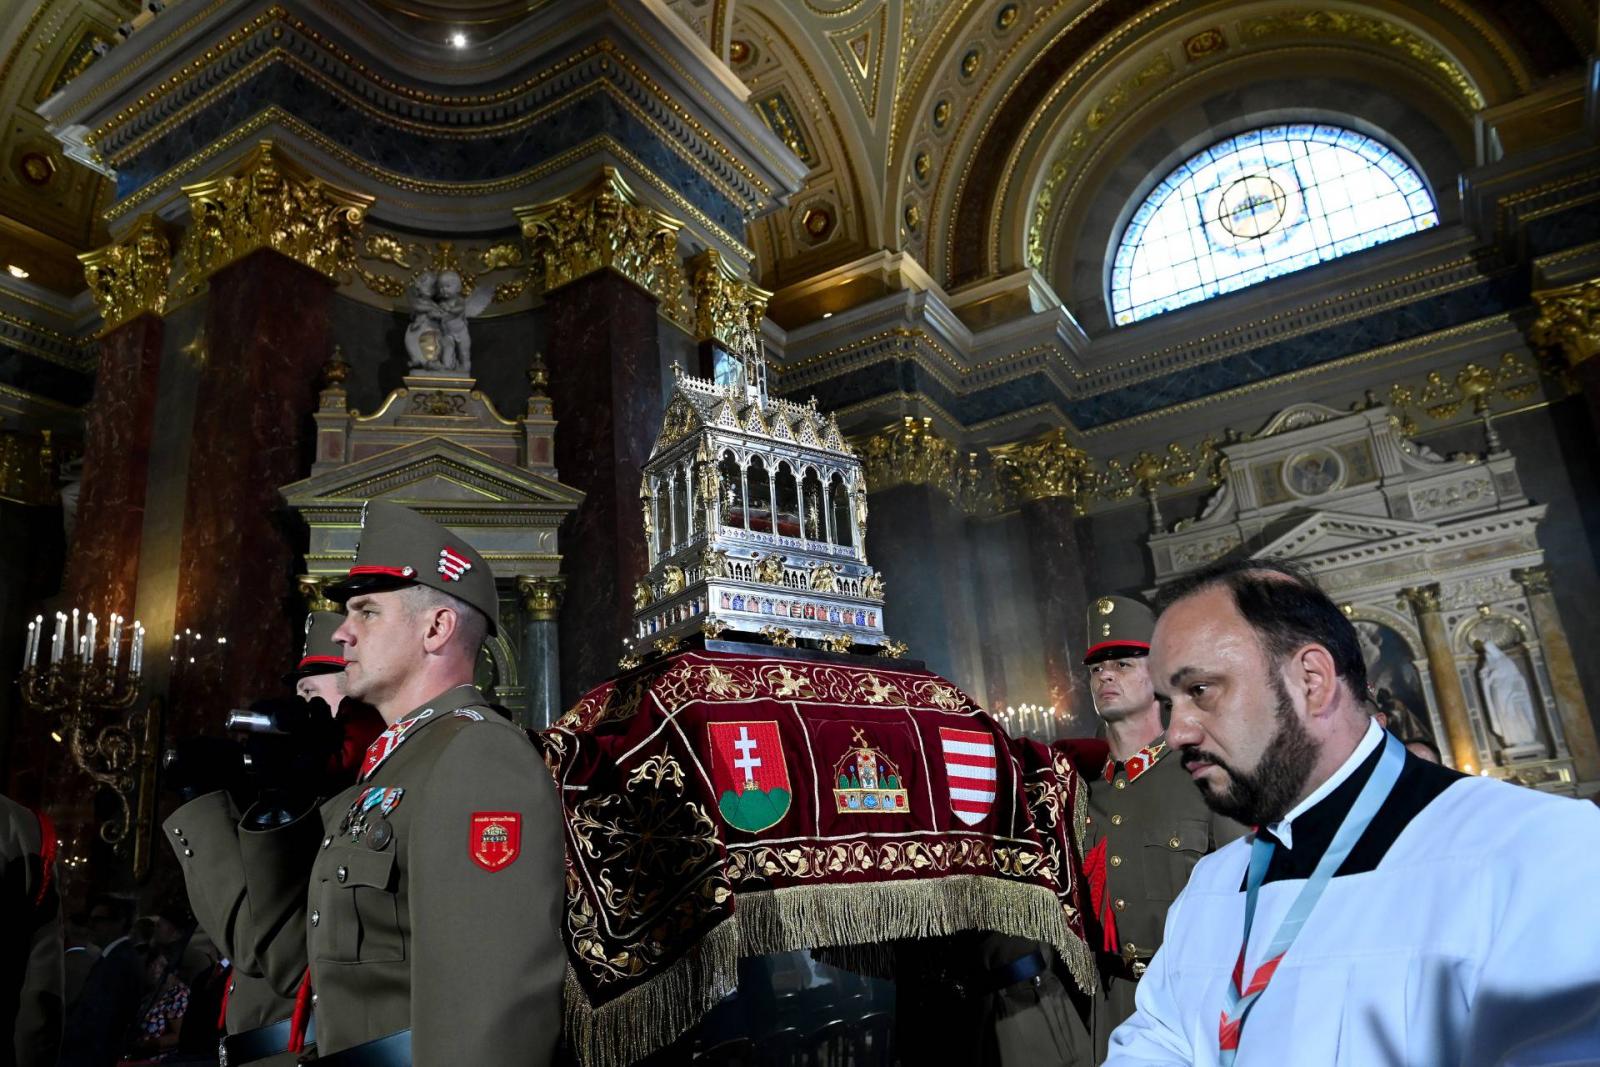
x=401 y=548
x=320 y=655
x=1118 y=626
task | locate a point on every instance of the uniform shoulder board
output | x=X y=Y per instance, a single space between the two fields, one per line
x=468 y=713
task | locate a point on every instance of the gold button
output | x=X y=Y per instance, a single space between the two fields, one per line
x=1174 y=842
x=1120 y=903
x=1116 y=820
x=1122 y=783
x=342 y=873
x=1130 y=949
x=1116 y=861
x=316 y=917
x=1089 y=821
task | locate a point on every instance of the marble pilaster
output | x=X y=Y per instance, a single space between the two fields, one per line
x=266 y=337
x=1460 y=746
x=1576 y=722
x=605 y=380
x=541 y=648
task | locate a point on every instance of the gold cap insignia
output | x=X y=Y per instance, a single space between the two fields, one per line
x=1105 y=605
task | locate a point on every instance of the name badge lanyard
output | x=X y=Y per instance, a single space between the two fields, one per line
x=1242 y=998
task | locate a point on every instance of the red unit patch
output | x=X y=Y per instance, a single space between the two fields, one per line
x=495 y=839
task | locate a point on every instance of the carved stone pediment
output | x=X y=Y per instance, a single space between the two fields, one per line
x=1331 y=531
x=508 y=513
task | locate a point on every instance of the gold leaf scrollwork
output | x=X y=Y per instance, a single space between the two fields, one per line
x=271 y=202
x=910 y=452
x=1047 y=467
x=1569 y=321
x=128 y=278
x=727 y=309
x=605 y=226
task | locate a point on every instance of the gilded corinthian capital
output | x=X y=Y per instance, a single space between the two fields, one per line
x=1045 y=468
x=1569 y=320
x=910 y=453
x=270 y=201
x=727 y=309
x=604 y=226
x=128 y=278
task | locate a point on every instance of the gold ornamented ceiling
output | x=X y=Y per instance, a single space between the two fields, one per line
x=48 y=203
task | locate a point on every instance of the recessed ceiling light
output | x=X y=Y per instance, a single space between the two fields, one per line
x=458 y=39
x=15 y=271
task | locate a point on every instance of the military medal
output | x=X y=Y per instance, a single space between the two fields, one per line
x=379 y=834
x=384 y=800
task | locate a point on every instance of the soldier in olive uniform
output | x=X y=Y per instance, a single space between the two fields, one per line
x=432 y=911
x=205 y=835
x=1148 y=825
x=32 y=968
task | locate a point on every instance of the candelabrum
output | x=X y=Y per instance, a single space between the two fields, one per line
x=1036 y=721
x=80 y=679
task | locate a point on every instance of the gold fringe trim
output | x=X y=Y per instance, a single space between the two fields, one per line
x=651 y=1016
x=658 y=1012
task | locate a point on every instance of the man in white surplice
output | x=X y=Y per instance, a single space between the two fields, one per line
x=1444 y=918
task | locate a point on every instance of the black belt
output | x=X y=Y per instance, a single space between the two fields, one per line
x=1023 y=969
x=257 y=1044
x=391 y=1051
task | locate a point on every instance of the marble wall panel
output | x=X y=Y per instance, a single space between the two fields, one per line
x=267 y=337
x=103 y=567
x=604 y=355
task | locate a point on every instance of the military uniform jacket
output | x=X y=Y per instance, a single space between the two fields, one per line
x=1149 y=827
x=435 y=894
x=205 y=835
x=32 y=967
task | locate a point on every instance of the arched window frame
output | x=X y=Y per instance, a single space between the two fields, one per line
x=1314 y=222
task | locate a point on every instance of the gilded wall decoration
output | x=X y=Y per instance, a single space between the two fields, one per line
x=911 y=453
x=387 y=264
x=1569 y=320
x=1045 y=468
x=128 y=277
x=603 y=226
x=270 y=201
x=727 y=308
x=1370 y=30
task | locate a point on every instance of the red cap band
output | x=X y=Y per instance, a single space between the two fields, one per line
x=392 y=572
x=312 y=661
x=1103 y=645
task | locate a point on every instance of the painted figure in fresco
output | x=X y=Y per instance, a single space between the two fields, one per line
x=1507 y=699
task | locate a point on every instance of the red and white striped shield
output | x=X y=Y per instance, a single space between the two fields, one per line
x=969 y=760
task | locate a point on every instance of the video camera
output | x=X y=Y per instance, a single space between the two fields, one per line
x=278 y=743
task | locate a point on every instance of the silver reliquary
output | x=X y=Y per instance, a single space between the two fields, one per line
x=755 y=513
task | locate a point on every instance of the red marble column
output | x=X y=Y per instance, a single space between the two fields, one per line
x=605 y=382
x=1057 y=566
x=103 y=558
x=267 y=336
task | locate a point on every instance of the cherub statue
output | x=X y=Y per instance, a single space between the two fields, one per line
x=437 y=338
x=824 y=577
x=872 y=586
x=770 y=569
x=642 y=596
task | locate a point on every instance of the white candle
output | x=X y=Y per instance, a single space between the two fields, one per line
x=115 y=644
x=88 y=644
x=27 y=647
x=58 y=637
x=136 y=659
x=74 y=627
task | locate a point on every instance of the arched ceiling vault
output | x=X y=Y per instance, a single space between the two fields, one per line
x=1001 y=186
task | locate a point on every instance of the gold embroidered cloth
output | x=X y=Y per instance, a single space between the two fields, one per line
x=721 y=805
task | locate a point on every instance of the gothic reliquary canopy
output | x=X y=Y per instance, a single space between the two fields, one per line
x=755 y=512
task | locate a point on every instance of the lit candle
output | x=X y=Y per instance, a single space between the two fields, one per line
x=115 y=643
x=74 y=627
x=29 y=645
x=58 y=637
x=88 y=644
x=136 y=657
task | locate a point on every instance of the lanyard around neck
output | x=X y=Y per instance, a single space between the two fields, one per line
x=1242 y=998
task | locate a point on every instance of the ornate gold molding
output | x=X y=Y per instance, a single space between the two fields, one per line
x=1422 y=598
x=1569 y=320
x=541 y=595
x=1534 y=580
x=270 y=201
x=911 y=453
x=605 y=226
x=1047 y=467
x=128 y=277
x=313 y=589
x=727 y=308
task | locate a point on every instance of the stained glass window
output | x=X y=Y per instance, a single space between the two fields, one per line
x=1258 y=205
